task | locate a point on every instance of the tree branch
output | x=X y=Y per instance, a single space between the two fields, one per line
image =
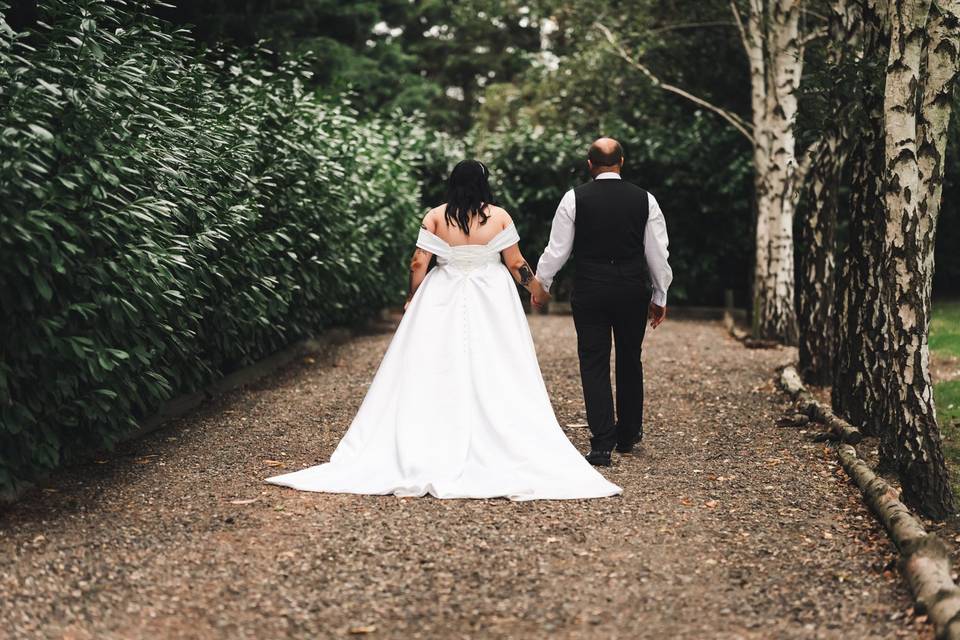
x=692 y=25
x=813 y=35
x=736 y=121
x=740 y=27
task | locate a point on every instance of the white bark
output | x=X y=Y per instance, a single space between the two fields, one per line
x=942 y=66
x=774 y=48
x=914 y=140
x=775 y=51
x=862 y=356
x=817 y=266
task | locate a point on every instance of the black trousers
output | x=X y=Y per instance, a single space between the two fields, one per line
x=611 y=298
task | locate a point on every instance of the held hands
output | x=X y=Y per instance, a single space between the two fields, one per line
x=656 y=314
x=538 y=295
x=539 y=301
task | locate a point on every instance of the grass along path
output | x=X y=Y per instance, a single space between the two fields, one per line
x=945 y=361
x=729 y=527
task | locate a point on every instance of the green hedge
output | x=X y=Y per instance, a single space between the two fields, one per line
x=166 y=218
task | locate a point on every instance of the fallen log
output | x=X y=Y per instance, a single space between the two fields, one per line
x=759 y=343
x=748 y=341
x=791 y=382
x=738 y=334
x=815 y=410
x=842 y=429
x=925 y=558
x=793 y=420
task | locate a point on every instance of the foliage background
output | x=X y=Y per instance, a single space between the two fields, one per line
x=168 y=217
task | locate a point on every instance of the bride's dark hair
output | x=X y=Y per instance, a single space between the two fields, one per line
x=468 y=191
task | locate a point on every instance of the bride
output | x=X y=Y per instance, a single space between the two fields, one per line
x=458 y=407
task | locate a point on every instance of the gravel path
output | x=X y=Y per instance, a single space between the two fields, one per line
x=728 y=528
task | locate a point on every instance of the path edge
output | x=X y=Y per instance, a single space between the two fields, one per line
x=184 y=404
x=924 y=558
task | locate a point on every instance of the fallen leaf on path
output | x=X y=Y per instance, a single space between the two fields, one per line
x=357 y=631
x=273 y=463
x=247 y=501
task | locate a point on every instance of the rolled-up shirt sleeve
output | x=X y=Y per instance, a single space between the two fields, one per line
x=561 y=241
x=655 y=247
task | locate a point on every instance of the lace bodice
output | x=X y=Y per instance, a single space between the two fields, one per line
x=468 y=256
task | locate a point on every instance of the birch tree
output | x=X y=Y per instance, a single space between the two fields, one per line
x=860 y=357
x=774 y=46
x=817 y=282
x=773 y=29
x=921 y=70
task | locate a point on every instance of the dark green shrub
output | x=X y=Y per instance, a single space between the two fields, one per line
x=711 y=238
x=165 y=219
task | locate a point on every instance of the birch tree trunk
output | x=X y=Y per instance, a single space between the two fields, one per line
x=816 y=322
x=777 y=26
x=914 y=146
x=774 y=47
x=817 y=285
x=861 y=360
x=753 y=38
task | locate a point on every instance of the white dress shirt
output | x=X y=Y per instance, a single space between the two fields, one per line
x=654 y=243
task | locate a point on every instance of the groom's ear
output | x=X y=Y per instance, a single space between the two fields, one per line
x=589 y=165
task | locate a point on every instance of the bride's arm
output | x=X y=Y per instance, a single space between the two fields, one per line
x=419 y=265
x=420 y=262
x=522 y=272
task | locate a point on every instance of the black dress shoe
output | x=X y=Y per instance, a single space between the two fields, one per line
x=598 y=458
x=627 y=447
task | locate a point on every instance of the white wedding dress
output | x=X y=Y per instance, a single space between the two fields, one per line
x=458 y=407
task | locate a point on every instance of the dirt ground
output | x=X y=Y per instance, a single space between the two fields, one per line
x=729 y=527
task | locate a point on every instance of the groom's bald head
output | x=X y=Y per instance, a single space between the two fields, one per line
x=605 y=154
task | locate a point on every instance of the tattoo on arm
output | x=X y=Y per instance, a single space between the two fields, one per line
x=526 y=274
x=418 y=254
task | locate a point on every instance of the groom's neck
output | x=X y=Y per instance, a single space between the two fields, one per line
x=598 y=170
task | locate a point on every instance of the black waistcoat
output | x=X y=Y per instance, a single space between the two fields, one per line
x=611 y=220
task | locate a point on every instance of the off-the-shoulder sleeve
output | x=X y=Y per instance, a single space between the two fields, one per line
x=430 y=242
x=506 y=238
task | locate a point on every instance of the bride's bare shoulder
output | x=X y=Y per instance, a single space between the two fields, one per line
x=431 y=221
x=499 y=215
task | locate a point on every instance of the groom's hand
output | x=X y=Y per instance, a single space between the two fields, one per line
x=538 y=302
x=539 y=296
x=657 y=314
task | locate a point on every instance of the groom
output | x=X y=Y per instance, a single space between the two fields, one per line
x=618 y=235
